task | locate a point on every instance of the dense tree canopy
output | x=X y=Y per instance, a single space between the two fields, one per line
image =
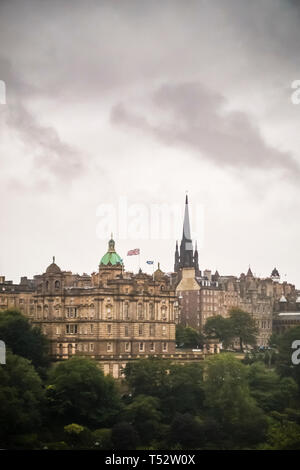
x=218 y=327
x=239 y=325
x=187 y=337
x=79 y=392
x=220 y=402
x=24 y=339
x=284 y=363
x=21 y=399
x=271 y=391
x=145 y=415
x=229 y=399
x=180 y=388
x=243 y=326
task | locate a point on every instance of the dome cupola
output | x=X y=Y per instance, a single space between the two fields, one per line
x=111 y=258
x=53 y=268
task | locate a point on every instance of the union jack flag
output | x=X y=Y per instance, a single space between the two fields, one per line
x=136 y=251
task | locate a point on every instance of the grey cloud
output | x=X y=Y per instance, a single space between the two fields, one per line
x=196 y=119
x=51 y=152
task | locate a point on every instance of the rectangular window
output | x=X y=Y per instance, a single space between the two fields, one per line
x=152 y=330
x=71 y=329
x=164 y=330
x=141 y=347
x=109 y=347
x=126 y=330
x=109 y=329
x=71 y=312
x=152 y=347
x=165 y=347
x=91 y=346
x=127 y=347
x=140 y=330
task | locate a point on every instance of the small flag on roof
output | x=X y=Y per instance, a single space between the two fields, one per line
x=136 y=251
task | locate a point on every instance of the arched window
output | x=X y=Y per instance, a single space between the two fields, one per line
x=57 y=285
x=47 y=285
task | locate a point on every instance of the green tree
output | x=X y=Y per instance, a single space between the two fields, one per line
x=144 y=414
x=284 y=364
x=218 y=327
x=185 y=392
x=102 y=439
x=229 y=401
x=271 y=392
x=79 y=392
x=186 y=430
x=24 y=339
x=282 y=434
x=148 y=376
x=124 y=436
x=187 y=337
x=78 y=437
x=243 y=326
x=179 y=387
x=21 y=401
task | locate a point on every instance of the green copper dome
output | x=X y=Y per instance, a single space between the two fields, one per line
x=111 y=258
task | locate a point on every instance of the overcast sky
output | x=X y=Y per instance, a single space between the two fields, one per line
x=132 y=103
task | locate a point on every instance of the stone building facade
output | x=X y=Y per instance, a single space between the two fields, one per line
x=202 y=294
x=111 y=315
x=287 y=311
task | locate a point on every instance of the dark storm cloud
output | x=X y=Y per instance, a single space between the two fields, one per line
x=196 y=119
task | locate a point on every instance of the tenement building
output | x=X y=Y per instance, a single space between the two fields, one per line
x=110 y=315
x=202 y=294
x=287 y=311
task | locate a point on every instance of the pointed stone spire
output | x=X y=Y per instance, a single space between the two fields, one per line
x=176 y=258
x=186 y=233
x=196 y=258
x=249 y=273
x=186 y=246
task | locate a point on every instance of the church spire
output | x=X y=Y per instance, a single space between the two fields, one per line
x=186 y=233
x=186 y=258
x=196 y=258
x=176 y=263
